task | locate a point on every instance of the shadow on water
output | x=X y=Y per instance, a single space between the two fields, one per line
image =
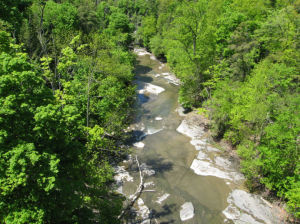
x=142 y=69
x=159 y=164
x=145 y=78
x=143 y=98
x=167 y=210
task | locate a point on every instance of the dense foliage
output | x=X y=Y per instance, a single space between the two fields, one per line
x=240 y=60
x=65 y=96
x=66 y=93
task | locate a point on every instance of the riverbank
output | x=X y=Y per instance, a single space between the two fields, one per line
x=220 y=160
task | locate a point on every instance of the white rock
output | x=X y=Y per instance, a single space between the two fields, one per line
x=237 y=176
x=144 y=87
x=162 y=198
x=148 y=184
x=122 y=174
x=152 y=57
x=143 y=210
x=212 y=149
x=151 y=131
x=161 y=66
x=187 y=211
x=231 y=212
x=141 y=52
x=245 y=218
x=120 y=189
x=224 y=163
x=139 y=145
x=180 y=111
x=203 y=156
x=204 y=168
x=192 y=131
x=157 y=75
x=158 y=118
x=252 y=209
x=171 y=78
x=198 y=142
x=147 y=169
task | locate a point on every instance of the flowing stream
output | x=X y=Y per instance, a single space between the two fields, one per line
x=182 y=184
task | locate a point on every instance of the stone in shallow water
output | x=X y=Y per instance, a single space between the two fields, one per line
x=143 y=211
x=204 y=168
x=149 y=184
x=122 y=174
x=151 y=131
x=144 y=88
x=147 y=170
x=162 y=198
x=139 y=145
x=187 y=211
x=158 y=118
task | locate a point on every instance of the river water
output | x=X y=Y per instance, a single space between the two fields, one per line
x=166 y=156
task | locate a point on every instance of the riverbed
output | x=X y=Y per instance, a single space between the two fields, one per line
x=188 y=178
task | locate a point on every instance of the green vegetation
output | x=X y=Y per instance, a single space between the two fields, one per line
x=66 y=95
x=240 y=60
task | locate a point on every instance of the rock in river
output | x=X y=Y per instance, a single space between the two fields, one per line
x=148 y=88
x=250 y=209
x=187 y=211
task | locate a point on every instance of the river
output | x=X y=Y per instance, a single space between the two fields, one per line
x=182 y=184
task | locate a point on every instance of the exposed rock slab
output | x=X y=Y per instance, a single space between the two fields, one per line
x=148 y=88
x=187 y=211
x=204 y=168
x=249 y=208
x=190 y=130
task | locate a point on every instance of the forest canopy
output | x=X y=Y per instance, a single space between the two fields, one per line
x=240 y=61
x=66 y=95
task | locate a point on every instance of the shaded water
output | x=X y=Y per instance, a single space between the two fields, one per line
x=170 y=154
